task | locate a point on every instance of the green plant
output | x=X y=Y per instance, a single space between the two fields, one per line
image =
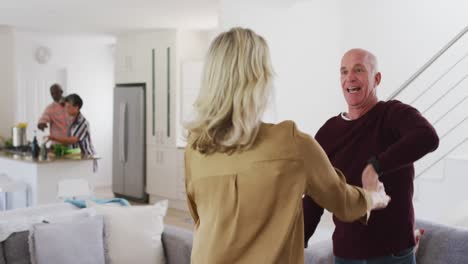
x=9 y=143
x=61 y=150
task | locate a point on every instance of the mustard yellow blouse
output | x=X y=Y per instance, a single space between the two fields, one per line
x=247 y=206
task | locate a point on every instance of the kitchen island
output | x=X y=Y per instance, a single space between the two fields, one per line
x=43 y=176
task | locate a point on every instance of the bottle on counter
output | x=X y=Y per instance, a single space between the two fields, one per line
x=35 y=148
x=44 y=151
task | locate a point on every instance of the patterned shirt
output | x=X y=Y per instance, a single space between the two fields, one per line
x=80 y=129
x=58 y=119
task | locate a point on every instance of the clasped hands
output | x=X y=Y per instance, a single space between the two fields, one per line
x=372 y=184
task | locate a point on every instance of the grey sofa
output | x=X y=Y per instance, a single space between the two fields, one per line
x=439 y=245
x=177 y=245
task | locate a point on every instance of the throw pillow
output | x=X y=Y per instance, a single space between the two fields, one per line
x=133 y=234
x=74 y=242
x=14 y=223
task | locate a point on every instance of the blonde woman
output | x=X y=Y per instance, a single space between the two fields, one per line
x=245 y=179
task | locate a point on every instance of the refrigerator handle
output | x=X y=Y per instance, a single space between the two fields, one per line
x=168 y=79
x=122 y=132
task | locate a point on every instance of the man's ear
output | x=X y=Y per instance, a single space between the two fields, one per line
x=378 y=78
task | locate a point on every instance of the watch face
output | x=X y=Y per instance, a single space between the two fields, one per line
x=42 y=55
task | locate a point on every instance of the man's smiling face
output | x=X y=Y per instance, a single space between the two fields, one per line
x=358 y=78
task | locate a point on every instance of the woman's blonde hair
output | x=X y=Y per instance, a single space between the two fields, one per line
x=235 y=91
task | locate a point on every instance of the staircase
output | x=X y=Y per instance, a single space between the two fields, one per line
x=439 y=90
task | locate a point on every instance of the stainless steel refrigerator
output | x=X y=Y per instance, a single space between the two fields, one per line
x=129 y=154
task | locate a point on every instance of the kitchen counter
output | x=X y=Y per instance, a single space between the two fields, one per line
x=43 y=176
x=51 y=158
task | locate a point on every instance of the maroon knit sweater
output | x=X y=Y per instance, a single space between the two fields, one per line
x=397 y=135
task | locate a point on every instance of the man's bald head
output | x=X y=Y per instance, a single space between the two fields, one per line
x=366 y=56
x=359 y=79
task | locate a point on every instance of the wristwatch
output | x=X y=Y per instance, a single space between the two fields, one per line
x=376 y=165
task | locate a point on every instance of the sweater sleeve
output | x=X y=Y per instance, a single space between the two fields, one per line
x=312 y=214
x=327 y=186
x=312 y=211
x=415 y=138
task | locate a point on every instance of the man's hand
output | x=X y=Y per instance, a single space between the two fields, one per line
x=380 y=199
x=371 y=183
x=42 y=126
x=370 y=178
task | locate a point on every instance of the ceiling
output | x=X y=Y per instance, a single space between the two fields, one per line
x=108 y=16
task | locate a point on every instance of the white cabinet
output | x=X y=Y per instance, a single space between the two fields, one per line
x=161 y=179
x=128 y=62
x=162 y=85
x=149 y=58
x=180 y=181
x=166 y=172
x=155 y=58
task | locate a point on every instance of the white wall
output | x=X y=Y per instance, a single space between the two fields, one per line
x=192 y=46
x=88 y=63
x=304 y=46
x=308 y=38
x=7 y=81
x=405 y=35
x=402 y=34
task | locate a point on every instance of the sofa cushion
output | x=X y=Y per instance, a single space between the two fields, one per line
x=76 y=242
x=2 y=255
x=319 y=252
x=16 y=248
x=177 y=245
x=442 y=244
x=20 y=220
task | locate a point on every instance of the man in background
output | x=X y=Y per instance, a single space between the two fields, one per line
x=55 y=114
x=79 y=135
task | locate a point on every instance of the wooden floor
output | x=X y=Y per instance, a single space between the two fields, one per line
x=179 y=218
x=173 y=217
